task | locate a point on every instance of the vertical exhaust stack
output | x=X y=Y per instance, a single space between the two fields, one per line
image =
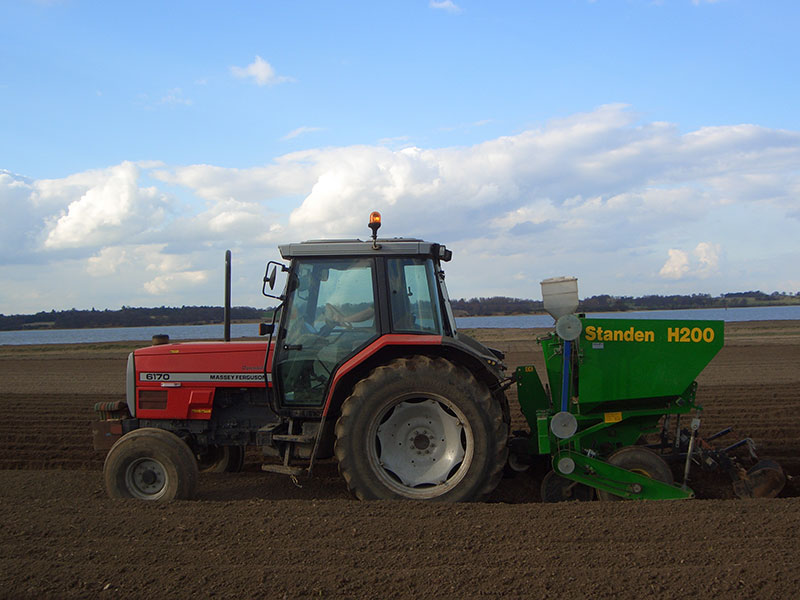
x=227 y=315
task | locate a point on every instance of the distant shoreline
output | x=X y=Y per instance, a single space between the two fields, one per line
x=189 y=316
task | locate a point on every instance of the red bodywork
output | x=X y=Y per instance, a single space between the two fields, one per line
x=177 y=381
x=395 y=339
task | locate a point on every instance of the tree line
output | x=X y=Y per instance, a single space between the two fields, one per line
x=130 y=317
x=501 y=305
x=497 y=305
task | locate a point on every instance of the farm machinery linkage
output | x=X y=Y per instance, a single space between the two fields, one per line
x=364 y=362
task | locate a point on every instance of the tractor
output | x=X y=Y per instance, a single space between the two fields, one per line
x=363 y=361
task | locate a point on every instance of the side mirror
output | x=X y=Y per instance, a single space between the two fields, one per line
x=266 y=328
x=271 y=278
x=270 y=275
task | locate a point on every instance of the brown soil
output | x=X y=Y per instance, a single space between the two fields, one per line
x=258 y=535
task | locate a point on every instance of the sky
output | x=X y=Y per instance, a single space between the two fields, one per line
x=644 y=147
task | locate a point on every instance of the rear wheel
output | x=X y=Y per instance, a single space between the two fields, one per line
x=221 y=459
x=640 y=460
x=150 y=464
x=421 y=428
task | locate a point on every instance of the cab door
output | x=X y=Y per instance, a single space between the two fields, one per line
x=328 y=316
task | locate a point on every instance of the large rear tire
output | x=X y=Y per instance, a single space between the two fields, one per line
x=424 y=429
x=150 y=464
x=639 y=460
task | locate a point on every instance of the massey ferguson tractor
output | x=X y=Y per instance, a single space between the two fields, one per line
x=364 y=362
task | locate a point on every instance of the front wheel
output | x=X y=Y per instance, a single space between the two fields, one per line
x=150 y=464
x=421 y=428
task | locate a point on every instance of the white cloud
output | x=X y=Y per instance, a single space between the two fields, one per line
x=447 y=5
x=705 y=264
x=707 y=255
x=175 y=97
x=599 y=195
x=21 y=217
x=175 y=282
x=677 y=264
x=104 y=206
x=300 y=131
x=107 y=261
x=150 y=266
x=260 y=71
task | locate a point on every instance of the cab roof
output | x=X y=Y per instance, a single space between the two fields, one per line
x=355 y=247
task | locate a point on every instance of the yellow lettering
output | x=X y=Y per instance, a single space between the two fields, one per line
x=708 y=335
x=594 y=333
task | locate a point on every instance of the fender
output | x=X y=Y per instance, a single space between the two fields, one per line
x=392 y=339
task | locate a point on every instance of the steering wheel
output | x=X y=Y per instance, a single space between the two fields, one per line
x=334 y=315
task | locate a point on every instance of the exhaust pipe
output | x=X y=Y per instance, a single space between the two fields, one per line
x=227 y=315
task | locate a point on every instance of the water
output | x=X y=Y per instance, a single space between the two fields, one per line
x=250 y=330
x=729 y=315
x=122 y=334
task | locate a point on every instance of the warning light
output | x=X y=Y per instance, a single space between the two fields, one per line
x=375 y=224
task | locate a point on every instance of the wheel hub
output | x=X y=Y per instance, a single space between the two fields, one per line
x=146 y=479
x=421 y=443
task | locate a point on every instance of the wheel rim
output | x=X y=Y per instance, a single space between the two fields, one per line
x=146 y=479
x=422 y=447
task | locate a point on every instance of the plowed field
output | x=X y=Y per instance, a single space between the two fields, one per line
x=258 y=535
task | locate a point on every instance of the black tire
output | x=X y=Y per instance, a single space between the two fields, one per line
x=639 y=460
x=556 y=488
x=221 y=459
x=421 y=428
x=150 y=464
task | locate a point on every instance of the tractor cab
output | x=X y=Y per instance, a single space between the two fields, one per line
x=342 y=296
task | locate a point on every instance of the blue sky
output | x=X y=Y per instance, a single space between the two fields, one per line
x=644 y=147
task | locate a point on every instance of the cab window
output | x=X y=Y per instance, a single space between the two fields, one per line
x=413 y=296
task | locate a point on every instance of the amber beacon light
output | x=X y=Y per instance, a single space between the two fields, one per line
x=375 y=224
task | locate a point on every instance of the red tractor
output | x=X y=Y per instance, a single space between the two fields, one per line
x=364 y=362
